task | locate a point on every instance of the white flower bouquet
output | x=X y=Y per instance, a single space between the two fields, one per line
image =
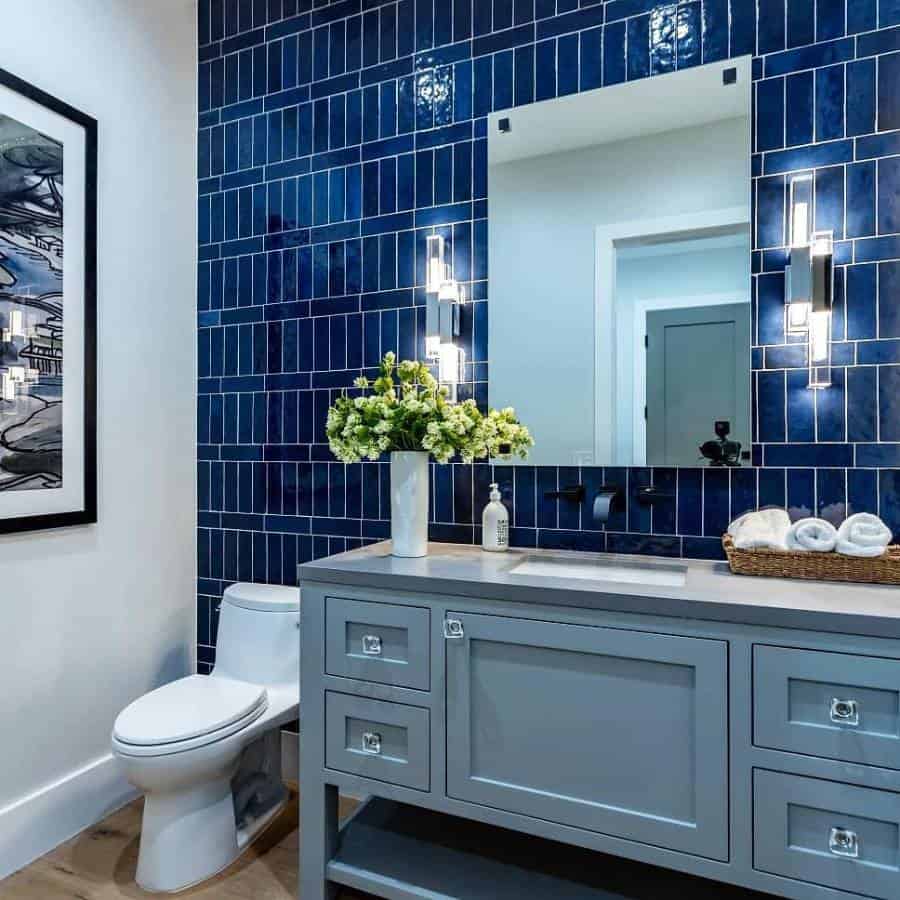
x=405 y=409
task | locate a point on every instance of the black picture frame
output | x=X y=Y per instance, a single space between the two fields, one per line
x=87 y=515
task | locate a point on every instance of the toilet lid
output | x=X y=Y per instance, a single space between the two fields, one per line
x=186 y=709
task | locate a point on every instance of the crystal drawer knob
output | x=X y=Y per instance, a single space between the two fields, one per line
x=371 y=743
x=844 y=712
x=371 y=645
x=843 y=842
x=453 y=630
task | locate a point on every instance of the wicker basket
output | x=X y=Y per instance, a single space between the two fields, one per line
x=816 y=566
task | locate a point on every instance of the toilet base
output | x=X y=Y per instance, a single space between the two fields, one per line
x=246 y=839
x=190 y=835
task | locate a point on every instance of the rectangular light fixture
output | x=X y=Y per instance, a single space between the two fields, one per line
x=797 y=275
x=451 y=366
x=7 y=389
x=434 y=264
x=820 y=311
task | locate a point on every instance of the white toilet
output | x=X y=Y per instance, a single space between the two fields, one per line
x=206 y=751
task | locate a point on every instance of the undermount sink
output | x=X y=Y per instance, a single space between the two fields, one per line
x=669 y=575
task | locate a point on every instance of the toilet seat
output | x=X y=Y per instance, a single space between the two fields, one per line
x=192 y=712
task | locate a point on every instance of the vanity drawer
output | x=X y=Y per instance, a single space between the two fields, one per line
x=377 y=642
x=832 y=705
x=385 y=741
x=825 y=833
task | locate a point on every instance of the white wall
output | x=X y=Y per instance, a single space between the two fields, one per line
x=544 y=213
x=92 y=617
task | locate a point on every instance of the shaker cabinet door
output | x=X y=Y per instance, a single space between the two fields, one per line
x=619 y=732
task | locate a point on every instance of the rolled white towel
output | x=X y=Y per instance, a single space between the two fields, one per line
x=763 y=529
x=863 y=535
x=815 y=535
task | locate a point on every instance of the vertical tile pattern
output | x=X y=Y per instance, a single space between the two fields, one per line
x=335 y=135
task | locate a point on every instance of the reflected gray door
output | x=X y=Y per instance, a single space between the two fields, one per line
x=619 y=732
x=698 y=371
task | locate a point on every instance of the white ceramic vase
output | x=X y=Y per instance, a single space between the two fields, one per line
x=409 y=503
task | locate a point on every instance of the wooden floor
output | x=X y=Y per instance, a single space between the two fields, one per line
x=99 y=864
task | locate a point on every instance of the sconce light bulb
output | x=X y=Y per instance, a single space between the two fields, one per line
x=435 y=267
x=797 y=318
x=450 y=363
x=819 y=337
x=800 y=225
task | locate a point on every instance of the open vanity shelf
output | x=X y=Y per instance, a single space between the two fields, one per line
x=523 y=735
x=389 y=848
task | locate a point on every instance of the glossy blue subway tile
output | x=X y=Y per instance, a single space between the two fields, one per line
x=770 y=102
x=860 y=199
x=614 y=53
x=801 y=15
x=689 y=34
x=742 y=34
x=716 y=501
x=889 y=403
x=829 y=103
x=889 y=499
x=888 y=96
x=889 y=299
x=771 y=488
x=862 y=491
x=716 y=28
x=771 y=393
x=638 y=47
x=567 y=65
x=875 y=249
x=771 y=30
x=662 y=40
x=799 y=108
x=810 y=57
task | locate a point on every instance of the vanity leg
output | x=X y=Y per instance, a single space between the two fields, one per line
x=318 y=839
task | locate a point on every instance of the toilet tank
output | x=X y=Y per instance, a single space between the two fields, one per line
x=259 y=637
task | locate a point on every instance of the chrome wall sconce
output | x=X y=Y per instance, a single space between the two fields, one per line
x=809 y=282
x=444 y=298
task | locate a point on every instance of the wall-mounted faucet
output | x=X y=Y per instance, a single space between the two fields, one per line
x=607 y=499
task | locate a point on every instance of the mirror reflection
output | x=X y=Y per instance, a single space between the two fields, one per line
x=620 y=324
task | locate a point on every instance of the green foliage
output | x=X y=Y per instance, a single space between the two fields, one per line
x=406 y=409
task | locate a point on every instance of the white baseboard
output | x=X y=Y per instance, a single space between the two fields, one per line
x=43 y=820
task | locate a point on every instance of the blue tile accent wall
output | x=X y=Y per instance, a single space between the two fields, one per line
x=335 y=136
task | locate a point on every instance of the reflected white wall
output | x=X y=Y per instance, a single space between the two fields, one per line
x=544 y=213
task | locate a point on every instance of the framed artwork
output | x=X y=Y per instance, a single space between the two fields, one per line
x=48 y=311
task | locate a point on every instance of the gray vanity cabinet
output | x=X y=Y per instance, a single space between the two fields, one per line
x=615 y=731
x=506 y=732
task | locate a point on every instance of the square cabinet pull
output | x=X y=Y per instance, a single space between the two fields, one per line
x=371 y=644
x=844 y=712
x=371 y=742
x=453 y=629
x=843 y=842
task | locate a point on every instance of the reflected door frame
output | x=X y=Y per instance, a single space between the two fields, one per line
x=605 y=340
x=641 y=308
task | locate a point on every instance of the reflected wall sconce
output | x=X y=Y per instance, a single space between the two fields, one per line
x=809 y=282
x=443 y=300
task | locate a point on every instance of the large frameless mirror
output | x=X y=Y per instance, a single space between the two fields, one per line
x=620 y=317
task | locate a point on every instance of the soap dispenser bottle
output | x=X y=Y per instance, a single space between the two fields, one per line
x=495 y=522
